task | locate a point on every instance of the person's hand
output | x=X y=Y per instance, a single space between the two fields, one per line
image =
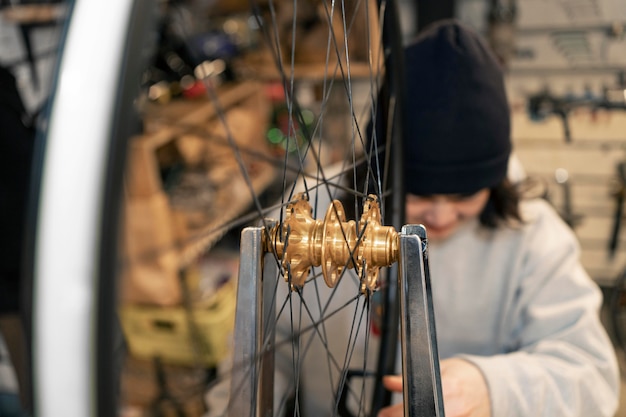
x=464 y=389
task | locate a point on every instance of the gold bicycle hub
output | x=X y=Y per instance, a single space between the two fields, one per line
x=302 y=242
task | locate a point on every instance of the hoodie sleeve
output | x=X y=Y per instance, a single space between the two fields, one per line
x=564 y=363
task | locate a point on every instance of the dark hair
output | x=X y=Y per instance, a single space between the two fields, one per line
x=502 y=207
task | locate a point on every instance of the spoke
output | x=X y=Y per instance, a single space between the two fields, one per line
x=368 y=330
x=351 y=346
x=324 y=336
x=329 y=355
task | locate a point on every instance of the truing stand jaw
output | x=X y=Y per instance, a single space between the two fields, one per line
x=333 y=244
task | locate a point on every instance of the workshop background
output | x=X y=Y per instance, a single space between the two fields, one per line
x=566 y=78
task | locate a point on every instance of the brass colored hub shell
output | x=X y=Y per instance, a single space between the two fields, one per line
x=335 y=244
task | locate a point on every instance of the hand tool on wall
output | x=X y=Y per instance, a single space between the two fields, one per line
x=545 y=103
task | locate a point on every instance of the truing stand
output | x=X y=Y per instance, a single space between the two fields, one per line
x=335 y=244
x=420 y=357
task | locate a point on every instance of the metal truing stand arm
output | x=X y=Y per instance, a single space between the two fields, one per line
x=420 y=357
x=252 y=384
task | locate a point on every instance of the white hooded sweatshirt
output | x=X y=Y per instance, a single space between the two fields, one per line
x=518 y=304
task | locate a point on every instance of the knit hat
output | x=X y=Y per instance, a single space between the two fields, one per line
x=458 y=127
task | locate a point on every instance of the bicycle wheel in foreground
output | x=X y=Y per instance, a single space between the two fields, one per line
x=284 y=129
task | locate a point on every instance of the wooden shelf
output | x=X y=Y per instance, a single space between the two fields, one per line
x=162 y=237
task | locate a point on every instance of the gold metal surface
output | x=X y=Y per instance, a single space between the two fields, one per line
x=334 y=243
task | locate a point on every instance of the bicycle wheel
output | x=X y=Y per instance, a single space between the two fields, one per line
x=314 y=149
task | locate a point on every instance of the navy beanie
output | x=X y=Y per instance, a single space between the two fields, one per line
x=458 y=127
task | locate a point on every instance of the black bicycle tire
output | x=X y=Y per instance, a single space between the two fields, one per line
x=387 y=357
x=127 y=122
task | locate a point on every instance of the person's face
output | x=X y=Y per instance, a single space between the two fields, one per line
x=443 y=214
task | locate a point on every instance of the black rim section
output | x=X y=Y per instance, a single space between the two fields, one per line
x=126 y=122
x=394 y=79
